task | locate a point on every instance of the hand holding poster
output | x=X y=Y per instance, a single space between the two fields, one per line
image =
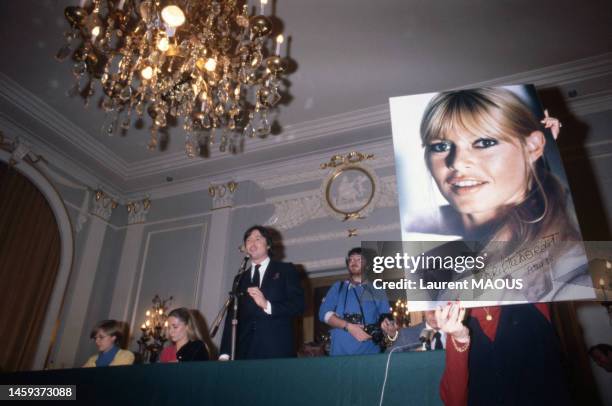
x=478 y=166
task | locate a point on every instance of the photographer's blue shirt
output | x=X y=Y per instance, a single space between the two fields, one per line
x=344 y=298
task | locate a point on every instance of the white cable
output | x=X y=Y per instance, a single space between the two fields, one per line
x=382 y=392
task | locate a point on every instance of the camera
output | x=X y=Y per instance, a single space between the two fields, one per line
x=354 y=318
x=374 y=329
x=376 y=332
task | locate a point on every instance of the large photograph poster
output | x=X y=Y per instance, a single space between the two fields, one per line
x=478 y=167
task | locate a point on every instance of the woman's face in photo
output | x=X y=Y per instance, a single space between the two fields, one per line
x=177 y=329
x=478 y=175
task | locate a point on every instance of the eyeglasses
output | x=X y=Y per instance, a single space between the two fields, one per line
x=100 y=337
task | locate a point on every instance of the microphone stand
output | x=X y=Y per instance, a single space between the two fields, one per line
x=233 y=296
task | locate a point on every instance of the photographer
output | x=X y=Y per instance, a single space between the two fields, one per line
x=353 y=308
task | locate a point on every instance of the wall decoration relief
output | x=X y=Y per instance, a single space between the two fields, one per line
x=351 y=189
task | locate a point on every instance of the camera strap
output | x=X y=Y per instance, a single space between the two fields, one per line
x=348 y=283
x=348 y=287
x=363 y=319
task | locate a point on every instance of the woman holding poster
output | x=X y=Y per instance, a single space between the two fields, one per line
x=483 y=149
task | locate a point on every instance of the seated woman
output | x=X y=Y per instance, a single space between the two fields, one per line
x=186 y=346
x=108 y=337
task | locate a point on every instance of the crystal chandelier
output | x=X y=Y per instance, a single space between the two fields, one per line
x=208 y=64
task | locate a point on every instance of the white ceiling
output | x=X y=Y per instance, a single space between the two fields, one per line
x=351 y=56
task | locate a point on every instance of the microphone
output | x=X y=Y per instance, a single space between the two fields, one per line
x=246 y=258
x=244 y=263
x=426 y=335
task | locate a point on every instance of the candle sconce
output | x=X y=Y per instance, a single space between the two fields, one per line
x=154 y=330
x=400 y=312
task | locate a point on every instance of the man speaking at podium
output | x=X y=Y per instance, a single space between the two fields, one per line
x=270 y=297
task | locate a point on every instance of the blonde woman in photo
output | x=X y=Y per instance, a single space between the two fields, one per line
x=484 y=150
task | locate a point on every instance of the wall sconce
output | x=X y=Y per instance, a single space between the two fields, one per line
x=154 y=330
x=400 y=312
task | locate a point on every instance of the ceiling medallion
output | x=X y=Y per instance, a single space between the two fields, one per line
x=207 y=64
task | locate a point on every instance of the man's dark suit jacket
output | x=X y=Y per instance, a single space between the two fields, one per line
x=262 y=335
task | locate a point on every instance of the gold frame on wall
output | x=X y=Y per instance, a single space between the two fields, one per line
x=364 y=204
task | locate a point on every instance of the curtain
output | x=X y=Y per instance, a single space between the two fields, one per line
x=29 y=261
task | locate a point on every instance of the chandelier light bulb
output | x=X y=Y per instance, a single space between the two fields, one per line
x=279 y=40
x=608 y=265
x=163 y=44
x=147 y=73
x=210 y=65
x=262 y=6
x=602 y=282
x=147 y=313
x=95 y=31
x=173 y=16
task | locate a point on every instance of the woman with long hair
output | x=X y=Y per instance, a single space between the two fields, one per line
x=186 y=345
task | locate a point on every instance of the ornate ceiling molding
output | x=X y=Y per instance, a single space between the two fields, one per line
x=271 y=175
x=557 y=75
x=137 y=213
x=102 y=205
x=319 y=265
x=61 y=126
x=339 y=235
x=293 y=211
x=309 y=130
x=308 y=169
x=57 y=158
x=594 y=103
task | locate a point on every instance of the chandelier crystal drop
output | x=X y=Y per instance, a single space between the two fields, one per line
x=208 y=64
